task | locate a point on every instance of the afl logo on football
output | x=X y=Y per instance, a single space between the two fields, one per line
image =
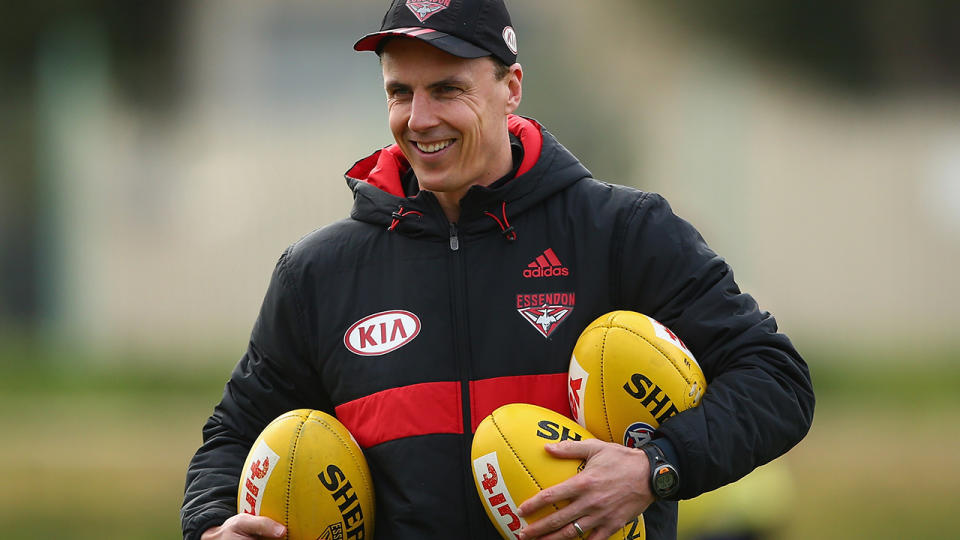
x=333 y=532
x=637 y=434
x=382 y=332
x=510 y=38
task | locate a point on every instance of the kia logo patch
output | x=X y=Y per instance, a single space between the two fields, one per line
x=382 y=332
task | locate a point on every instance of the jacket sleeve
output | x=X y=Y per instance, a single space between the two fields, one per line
x=759 y=400
x=274 y=376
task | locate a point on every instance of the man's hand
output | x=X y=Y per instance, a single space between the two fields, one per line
x=245 y=527
x=612 y=489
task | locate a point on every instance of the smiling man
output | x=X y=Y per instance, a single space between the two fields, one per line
x=477 y=250
x=449 y=117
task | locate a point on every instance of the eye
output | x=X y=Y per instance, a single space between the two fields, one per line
x=448 y=91
x=398 y=92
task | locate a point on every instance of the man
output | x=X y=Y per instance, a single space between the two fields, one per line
x=447 y=228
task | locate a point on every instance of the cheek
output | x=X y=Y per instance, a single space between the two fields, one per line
x=474 y=120
x=397 y=118
x=490 y=123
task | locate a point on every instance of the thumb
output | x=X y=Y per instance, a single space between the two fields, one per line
x=262 y=526
x=574 y=449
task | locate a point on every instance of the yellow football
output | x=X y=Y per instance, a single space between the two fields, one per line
x=510 y=464
x=629 y=373
x=307 y=472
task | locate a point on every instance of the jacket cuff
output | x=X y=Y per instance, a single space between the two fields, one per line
x=204 y=522
x=669 y=452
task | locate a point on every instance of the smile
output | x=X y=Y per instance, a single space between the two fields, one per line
x=431 y=148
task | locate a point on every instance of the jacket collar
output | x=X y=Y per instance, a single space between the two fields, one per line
x=385 y=168
x=377 y=184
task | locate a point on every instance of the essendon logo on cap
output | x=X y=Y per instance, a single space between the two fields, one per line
x=426 y=9
x=510 y=38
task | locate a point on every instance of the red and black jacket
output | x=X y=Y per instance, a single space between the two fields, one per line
x=411 y=329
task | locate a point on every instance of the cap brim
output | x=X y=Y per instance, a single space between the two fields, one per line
x=444 y=42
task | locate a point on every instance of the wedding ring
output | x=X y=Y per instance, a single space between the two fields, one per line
x=579 y=530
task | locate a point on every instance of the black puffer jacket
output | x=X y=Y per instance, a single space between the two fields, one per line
x=411 y=329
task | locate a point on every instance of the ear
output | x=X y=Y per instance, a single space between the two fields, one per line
x=514 y=82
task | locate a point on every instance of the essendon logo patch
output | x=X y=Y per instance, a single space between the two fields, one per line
x=546 y=265
x=426 y=9
x=382 y=332
x=545 y=311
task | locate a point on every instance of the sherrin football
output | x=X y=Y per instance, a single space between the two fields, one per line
x=629 y=373
x=307 y=472
x=510 y=464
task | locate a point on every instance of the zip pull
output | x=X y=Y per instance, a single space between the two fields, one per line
x=454 y=240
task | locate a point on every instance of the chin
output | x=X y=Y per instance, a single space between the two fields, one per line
x=432 y=180
x=436 y=187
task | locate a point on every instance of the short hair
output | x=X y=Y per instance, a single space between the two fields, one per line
x=500 y=68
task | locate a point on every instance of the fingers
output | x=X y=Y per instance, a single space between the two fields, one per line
x=566 y=532
x=570 y=532
x=559 y=523
x=555 y=522
x=604 y=495
x=567 y=490
x=265 y=527
x=243 y=526
x=564 y=491
x=601 y=533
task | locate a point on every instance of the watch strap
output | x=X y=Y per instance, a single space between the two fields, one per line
x=657 y=461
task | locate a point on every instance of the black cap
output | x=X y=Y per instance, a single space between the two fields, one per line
x=464 y=28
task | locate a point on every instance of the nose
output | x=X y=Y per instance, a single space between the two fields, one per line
x=422 y=113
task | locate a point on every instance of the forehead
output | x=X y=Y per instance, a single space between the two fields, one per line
x=408 y=58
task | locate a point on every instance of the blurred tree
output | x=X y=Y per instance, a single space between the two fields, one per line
x=141 y=39
x=861 y=45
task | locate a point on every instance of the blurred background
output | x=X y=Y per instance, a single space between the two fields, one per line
x=156 y=158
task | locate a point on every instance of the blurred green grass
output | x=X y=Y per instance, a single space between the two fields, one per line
x=97 y=447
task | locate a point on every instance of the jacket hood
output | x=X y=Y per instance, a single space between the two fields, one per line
x=547 y=167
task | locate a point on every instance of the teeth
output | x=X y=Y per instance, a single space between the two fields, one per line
x=434 y=147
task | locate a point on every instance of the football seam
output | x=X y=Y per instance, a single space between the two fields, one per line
x=516 y=456
x=349 y=450
x=686 y=378
x=295 y=443
x=603 y=388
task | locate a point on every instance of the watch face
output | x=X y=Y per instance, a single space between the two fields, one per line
x=665 y=480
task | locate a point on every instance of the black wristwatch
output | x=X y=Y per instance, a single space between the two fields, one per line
x=664 y=478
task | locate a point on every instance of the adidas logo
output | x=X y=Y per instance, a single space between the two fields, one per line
x=546 y=265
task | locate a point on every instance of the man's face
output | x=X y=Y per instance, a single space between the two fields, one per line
x=449 y=115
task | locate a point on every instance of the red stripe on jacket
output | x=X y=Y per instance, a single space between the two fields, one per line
x=434 y=408
x=548 y=391
x=408 y=411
